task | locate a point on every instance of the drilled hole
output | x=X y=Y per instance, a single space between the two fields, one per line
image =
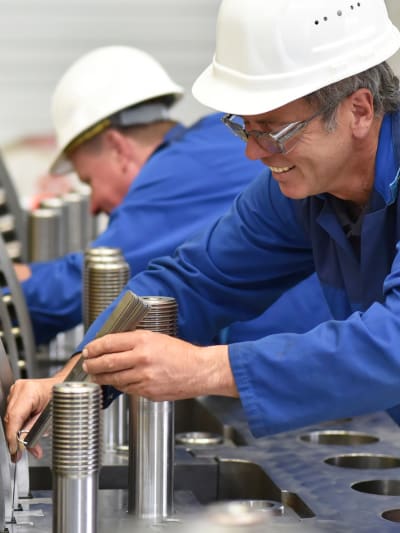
x=339 y=13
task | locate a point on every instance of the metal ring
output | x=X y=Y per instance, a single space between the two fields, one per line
x=19 y=433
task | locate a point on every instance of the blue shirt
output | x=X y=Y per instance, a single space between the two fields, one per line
x=265 y=244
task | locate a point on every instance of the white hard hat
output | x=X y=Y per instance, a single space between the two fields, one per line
x=99 y=85
x=269 y=53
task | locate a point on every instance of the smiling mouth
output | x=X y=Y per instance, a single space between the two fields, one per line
x=281 y=170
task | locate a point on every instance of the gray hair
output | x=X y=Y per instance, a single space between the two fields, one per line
x=379 y=80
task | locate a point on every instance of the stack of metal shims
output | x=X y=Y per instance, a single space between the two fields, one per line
x=152 y=438
x=13 y=227
x=105 y=274
x=15 y=323
x=76 y=456
x=44 y=234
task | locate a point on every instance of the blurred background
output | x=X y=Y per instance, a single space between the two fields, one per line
x=41 y=38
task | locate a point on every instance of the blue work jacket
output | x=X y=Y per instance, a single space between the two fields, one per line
x=267 y=243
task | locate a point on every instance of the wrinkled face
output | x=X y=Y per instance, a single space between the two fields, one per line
x=102 y=170
x=318 y=161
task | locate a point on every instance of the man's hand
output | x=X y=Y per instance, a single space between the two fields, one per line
x=27 y=399
x=158 y=367
x=25 y=402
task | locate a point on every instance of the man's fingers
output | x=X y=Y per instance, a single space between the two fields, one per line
x=109 y=363
x=114 y=342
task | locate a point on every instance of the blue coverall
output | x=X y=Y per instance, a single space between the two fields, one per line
x=266 y=243
x=188 y=181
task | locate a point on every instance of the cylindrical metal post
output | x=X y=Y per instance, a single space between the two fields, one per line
x=58 y=205
x=73 y=204
x=44 y=234
x=76 y=456
x=151 y=432
x=105 y=274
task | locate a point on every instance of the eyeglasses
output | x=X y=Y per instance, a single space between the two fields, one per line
x=281 y=142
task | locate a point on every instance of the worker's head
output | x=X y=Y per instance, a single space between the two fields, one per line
x=110 y=111
x=306 y=74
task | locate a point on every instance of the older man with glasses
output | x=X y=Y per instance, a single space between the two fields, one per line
x=320 y=107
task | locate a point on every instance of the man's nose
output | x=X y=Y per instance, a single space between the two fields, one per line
x=254 y=150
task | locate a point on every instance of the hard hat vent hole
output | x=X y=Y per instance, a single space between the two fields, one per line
x=339 y=13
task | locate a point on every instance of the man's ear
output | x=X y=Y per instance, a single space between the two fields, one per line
x=117 y=143
x=362 y=112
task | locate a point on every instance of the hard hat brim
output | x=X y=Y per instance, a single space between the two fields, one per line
x=224 y=90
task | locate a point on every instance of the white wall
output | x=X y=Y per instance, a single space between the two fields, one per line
x=39 y=39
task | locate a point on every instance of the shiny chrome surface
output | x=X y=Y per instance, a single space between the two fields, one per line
x=152 y=441
x=76 y=456
x=150 y=486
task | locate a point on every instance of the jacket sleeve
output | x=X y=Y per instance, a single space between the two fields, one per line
x=340 y=368
x=53 y=296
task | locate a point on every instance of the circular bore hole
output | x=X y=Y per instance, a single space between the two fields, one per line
x=198 y=438
x=364 y=461
x=263 y=506
x=381 y=487
x=242 y=512
x=338 y=437
x=393 y=515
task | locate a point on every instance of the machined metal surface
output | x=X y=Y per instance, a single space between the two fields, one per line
x=152 y=441
x=105 y=274
x=286 y=472
x=76 y=456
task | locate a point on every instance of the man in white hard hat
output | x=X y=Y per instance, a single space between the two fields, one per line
x=306 y=86
x=159 y=181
